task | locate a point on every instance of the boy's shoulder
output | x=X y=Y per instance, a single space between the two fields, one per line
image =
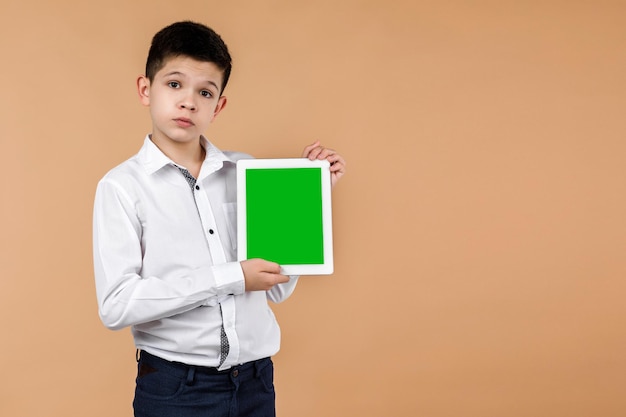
x=130 y=168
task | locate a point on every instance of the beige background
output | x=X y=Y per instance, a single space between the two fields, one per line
x=480 y=234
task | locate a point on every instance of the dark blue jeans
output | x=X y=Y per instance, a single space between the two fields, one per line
x=172 y=389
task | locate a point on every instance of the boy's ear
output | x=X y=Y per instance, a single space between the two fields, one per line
x=143 y=89
x=221 y=103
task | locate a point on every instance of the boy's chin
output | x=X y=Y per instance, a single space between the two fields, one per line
x=180 y=137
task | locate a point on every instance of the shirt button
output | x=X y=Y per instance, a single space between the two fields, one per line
x=211 y=231
x=235 y=373
x=197 y=187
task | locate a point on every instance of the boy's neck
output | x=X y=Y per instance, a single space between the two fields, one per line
x=188 y=155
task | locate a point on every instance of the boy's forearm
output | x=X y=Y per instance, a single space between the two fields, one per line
x=132 y=299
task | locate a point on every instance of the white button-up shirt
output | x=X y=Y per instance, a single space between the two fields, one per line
x=165 y=261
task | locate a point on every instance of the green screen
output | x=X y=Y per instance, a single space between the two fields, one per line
x=284 y=215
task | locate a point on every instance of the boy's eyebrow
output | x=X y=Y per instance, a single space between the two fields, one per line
x=178 y=73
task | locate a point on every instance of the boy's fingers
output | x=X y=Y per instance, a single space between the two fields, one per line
x=321 y=153
x=266 y=266
x=317 y=151
x=280 y=279
x=325 y=153
x=337 y=166
x=272 y=267
x=272 y=279
x=308 y=149
x=335 y=157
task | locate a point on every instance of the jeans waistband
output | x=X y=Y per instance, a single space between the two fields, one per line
x=202 y=370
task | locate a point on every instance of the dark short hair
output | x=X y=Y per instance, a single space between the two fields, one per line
x=192 y=40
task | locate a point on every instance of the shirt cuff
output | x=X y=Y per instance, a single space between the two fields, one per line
x=229 y=279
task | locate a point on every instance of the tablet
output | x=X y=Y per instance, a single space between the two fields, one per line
x=284 y=214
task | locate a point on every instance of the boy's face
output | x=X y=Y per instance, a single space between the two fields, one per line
x=184 y=98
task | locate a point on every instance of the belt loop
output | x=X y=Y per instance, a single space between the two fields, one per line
x=191 y=373
x=257 y=369
x=137 y=355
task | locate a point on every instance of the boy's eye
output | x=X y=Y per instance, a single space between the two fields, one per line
x=174 y=84
x=206 y=93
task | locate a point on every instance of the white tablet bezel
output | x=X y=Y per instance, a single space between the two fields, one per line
x=325 y=268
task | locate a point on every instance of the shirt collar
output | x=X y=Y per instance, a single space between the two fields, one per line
x=152 y=159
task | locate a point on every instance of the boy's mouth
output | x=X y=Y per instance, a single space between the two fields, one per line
x=183 y=122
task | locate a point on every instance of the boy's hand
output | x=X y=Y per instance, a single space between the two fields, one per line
x=337 y=164
x=261 y=275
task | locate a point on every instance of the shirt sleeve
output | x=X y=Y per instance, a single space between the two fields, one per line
x=125 y=296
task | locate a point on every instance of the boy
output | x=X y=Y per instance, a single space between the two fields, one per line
x=165 y=246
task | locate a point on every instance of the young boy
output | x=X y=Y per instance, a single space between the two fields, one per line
x=165 y=246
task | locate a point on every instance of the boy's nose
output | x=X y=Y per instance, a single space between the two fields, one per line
x=187 y=104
